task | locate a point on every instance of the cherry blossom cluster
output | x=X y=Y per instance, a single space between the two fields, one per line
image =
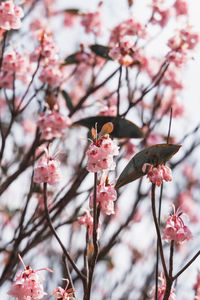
x=87 y=220
x=10 y=15
x=47 y=49
x=176 y=230
x=14 y=66
x=157 y=174
x=100 y=154
x=123 y=41
x=53 y=124
x=161 y=14
x=47 y=170
x=181 y=45
x=47 y=53
x=106 y=195
x=92 y=22
x=28 y=285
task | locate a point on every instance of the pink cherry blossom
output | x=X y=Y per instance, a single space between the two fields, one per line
x=172 y=78
x=27 y=285
x=53 y=125
x=87 y=220
x=48 y=50
x=92 y=22
x=123 y=41
x=47 y=170
x=130 y=149
x=63 y=294
x=14 y=66
x=106 y=195
x=52 y=75
x=160 y=16
x=176 y=230
x=181 y=7
x=100 y=155
x=10 y=15
x=157 y=174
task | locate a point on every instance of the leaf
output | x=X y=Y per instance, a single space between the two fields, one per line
x=93 y=133
x=122 y=127
x=157 y=154
x=73 y=11
x=101 y=51
x=71 y=59
x=106 y=129
x=68 y=100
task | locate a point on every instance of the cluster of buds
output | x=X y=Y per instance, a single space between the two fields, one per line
x=176 y=230
x=87 y=220
x=53 y=125
x=47 y=170
x=101 y=151
x=123 y=41
x=10 y=15
x=28 y=284
x=106 y=195
x=14 y=66
x=157 y=174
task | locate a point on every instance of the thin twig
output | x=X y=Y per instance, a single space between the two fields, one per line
x=158 y=230
x=81 y=276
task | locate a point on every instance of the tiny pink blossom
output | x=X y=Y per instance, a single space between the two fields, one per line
x=63 y=294
x=87 y=220
x=106 y=195
x=181 y=7
x=130 y=149
x=47 y=170
x=176 y=230
x=157 y=174
x=160 y=16
x=92 y=22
